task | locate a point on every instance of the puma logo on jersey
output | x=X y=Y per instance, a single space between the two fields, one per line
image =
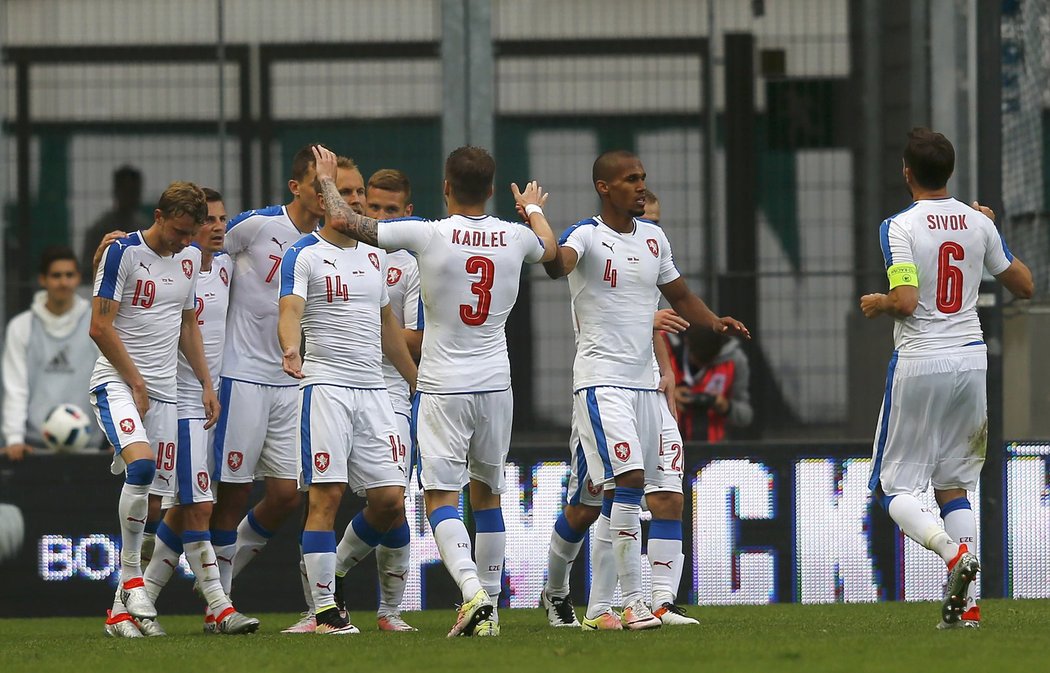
x=326 y=587
x=145 y=266
x=400 y=576
x=609 y=245
x=626 y=533
x=280 y=244
x=332 y=264
x=666 y=564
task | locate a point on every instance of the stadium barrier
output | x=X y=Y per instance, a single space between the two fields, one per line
x=763 y=523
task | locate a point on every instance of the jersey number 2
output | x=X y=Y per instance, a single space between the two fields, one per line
x=482 y=288
x=949 y=278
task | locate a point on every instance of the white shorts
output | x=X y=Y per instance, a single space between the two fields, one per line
x=404 y=431
x=255 y=435
x=195 y=463
x=933 y=427
x=619 y=431
x=579 y=492
x=463 y=437
x=118 y=417
x=349 y=436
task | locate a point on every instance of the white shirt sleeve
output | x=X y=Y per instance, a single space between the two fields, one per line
x=895 y=240
x=532 y=244
x=241 y=233
x=412 y=309
x=112 y=273
x=997 y=257
x=410 y=233
x=579 y=239
x=295 y=274
x=16 y=378
x=668 y=271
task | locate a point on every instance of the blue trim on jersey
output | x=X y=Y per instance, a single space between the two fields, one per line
x=256 y=383
x=218 y=449
x=954 y=506
x=581 y=475
x=419 y=313
x=884 y=426
x=974 y=343
x=106 y=416
x=268 y=211
x=1006 y=250
x=183 y=464
x=407 y=218
x=637 y=390
x=648 y=221
x=599 y=432
x=884 y=242
x=417 y=459
x=304 y=435
x=108 y=287
x=565 y=235
x=913 y=204
x=288 y=262
x=464 y=392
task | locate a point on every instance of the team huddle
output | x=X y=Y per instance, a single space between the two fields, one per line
x=204 y=386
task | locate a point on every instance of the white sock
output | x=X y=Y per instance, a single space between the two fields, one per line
x=565 y=547
x=132 y=508
x=201 y=557
x=453 y=543
x=224 y=542
x=603 y=570
x=319 y=557
x=490 y=548
x=167 y=548
x=664 y=550
x=625 y=526
x=961 y=525
x=393 y=558
x=358 y=541
x=251 y=538
x=922 y=525
x=308 y=595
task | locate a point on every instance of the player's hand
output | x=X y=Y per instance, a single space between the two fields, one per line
x=17 y=452
x=984 y=210
x=141 y=399
x=666 y=320
x=106 y=241
x=533 y=195
x=729 y=325
x=668 y=387
x=871 y=304
x=211 y=408
x=324 y=162
x=292 y=363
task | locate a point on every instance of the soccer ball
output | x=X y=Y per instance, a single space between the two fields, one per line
x=67 y=428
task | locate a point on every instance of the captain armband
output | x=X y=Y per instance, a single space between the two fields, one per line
x=903 y=274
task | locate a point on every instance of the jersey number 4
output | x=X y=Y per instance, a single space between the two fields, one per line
x=949 y=277
x=471 y=315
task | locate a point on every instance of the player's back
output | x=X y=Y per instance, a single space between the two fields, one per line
x=950 y=245
x=470 y=271
x=257 y=241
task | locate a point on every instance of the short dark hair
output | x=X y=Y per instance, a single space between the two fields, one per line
x=650 y=197
x=930 y=157
x=56 y=253
x=469 y=171
x=302 y=161
x=127 y=172
x=605 y=165
x=391 y=180
x=211 y=195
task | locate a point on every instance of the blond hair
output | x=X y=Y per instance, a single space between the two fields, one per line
x=184 y=198
x=391 y=180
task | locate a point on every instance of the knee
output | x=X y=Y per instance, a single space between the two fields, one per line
x=632 y=479
x=387 y=509
x=665 y=504
x=285 y=497
x=140 y=472
x=580 y=517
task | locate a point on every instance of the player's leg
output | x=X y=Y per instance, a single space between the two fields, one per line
x=600 y=615
x=393 y=555
x=443 y=470
x=319 y=555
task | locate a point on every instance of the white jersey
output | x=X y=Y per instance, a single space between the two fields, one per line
x=257 y=241
x=469 y=269
x=949 y=243
x=210 y=304
x=152 y=291
x=402 y=284
x=613 y=290
x=344 y=289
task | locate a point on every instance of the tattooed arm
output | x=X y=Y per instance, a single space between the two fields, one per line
x=338 y=215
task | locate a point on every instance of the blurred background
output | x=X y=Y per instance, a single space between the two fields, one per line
x=771 y=132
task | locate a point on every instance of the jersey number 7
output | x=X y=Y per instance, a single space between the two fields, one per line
x=474 y=316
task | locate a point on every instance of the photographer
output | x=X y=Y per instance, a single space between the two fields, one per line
x=712 y=375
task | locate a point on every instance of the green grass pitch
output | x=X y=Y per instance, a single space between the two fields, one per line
x=887 y=637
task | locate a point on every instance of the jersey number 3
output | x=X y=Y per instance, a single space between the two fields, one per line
x=482 y=288
x=949 y=278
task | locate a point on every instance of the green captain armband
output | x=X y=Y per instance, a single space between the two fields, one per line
x=903 y=274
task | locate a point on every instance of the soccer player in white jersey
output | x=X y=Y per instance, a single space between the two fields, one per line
x=142 y=315
x=615 y=263
x=469 y=267
x=389 y=196
x=933 y=425
x=333 y=294
x=185 y=524
x=255 y=435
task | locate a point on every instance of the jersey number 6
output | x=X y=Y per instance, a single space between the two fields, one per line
x=949 y=278
x=482 y=287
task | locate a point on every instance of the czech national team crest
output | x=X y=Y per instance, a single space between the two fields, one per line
x=224 y=277
x=235 y=460
x=591 y=488
x=127 y=426
x=374 y=258
x=202 y=481
x=322 y=461
x=393 y=274
x=654 y=247
x=622 y=450
x=187 y=267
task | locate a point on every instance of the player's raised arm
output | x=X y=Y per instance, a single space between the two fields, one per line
x=338 y=214
x=395 y=348
x=290 y=334
x=191 y=344
x=696 y=312
x=1017 y=278
x=531 y=202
